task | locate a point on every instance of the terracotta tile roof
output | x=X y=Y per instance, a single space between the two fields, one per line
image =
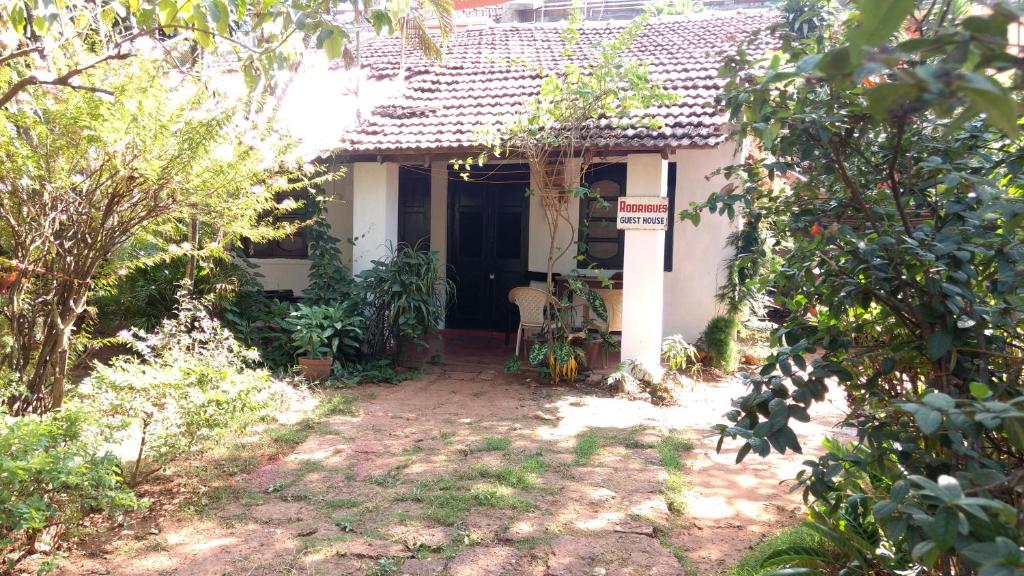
x=442 y=106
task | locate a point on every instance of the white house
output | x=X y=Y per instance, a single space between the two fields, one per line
x=418 y=115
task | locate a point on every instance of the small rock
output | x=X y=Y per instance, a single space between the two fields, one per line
x=632 y=527
x=601 y=493
x=306 y=529
x=599 y=571
x=538 y=415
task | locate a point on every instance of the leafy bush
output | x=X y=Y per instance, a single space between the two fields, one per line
x=261 y=323
x=326 y=331
x=190 y=382
x=890 y=165
x=53 y=471
x=720 y=339
x=406 y=296
x=680 y=355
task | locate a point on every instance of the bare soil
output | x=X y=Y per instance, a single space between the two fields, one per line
x=471 y=472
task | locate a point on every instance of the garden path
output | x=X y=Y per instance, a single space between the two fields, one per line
x=468 y=471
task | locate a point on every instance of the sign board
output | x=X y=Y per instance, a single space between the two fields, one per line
x=642 y=213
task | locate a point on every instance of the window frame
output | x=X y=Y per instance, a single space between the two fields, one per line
x=617 y=263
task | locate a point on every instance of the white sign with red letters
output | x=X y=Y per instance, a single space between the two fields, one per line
x=642 y=213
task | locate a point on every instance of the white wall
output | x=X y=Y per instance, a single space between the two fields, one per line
x=698 y=252
x=374 y=211
x=293 y=274
x=539 y=239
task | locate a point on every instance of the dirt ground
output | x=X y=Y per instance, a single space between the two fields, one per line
x=467 y=471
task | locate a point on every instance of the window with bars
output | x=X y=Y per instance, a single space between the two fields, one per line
x=295 y=246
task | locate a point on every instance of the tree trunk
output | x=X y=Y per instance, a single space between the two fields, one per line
x=190 y=269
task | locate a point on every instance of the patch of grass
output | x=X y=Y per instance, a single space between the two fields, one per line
x=491 y=496
x=519 y=475
x=412 y=451
x=446 y=436
x=290 y=435
x=685 y=562
x=386 y=566
x=587 y=445
x=494 y=444
x=344 y=522
x=335 y=405
x=388 y=479
x=674 y=491
x=670 y=449
x=309 y=466
x=447 y=500
x=750 y=563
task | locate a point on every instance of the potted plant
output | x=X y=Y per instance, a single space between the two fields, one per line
x=317 y=332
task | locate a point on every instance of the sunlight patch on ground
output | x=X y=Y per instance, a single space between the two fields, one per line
x=210 y=544
x=718 y=507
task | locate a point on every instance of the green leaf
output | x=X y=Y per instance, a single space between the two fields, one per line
x=939 y=401
x=885 y=97
x=938 y=344
x=998 y=105
x=928 y=420
x=1014 y=428
x=943 y=528
x=879 y=20
x=979 y=390
x=836 y=62
x=334 y=44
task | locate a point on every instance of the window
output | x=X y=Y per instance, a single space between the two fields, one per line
x=603 y=245
x=295 y=246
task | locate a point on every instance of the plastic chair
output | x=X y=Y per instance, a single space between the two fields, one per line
x=532 y=304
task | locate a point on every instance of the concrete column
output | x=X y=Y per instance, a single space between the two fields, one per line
x=643 y=266
x=374 y=211
x=439 y=211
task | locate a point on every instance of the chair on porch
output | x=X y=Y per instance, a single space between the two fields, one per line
x=613 y=306
x=532 y=304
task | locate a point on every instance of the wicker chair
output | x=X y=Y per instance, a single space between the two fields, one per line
x=532 y=304
x=613 y=306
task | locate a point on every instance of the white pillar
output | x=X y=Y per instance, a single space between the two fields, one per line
x=643 y=267
x=374 y=211
x=439 y=211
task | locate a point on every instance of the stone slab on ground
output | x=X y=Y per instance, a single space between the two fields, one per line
x=485 y=561
x=619 y=554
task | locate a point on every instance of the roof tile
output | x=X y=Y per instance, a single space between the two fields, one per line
x=445 y=105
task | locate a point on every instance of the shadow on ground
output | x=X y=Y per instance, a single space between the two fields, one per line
x=471 y=472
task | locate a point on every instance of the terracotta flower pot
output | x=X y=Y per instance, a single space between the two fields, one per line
x=592 y=349
x=315 y=369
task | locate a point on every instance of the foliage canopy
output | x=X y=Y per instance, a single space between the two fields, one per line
x=888 y=165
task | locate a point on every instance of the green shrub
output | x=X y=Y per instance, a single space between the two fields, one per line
x=720 y=339
x=326 y=331
x=406 y=296
x=53 y=471
x=190 y=382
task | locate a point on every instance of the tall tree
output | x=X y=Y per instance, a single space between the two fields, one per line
x=82 y=174
x=887 y=157
x=41 y=40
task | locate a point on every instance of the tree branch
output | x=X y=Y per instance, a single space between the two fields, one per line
x=20 y=53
